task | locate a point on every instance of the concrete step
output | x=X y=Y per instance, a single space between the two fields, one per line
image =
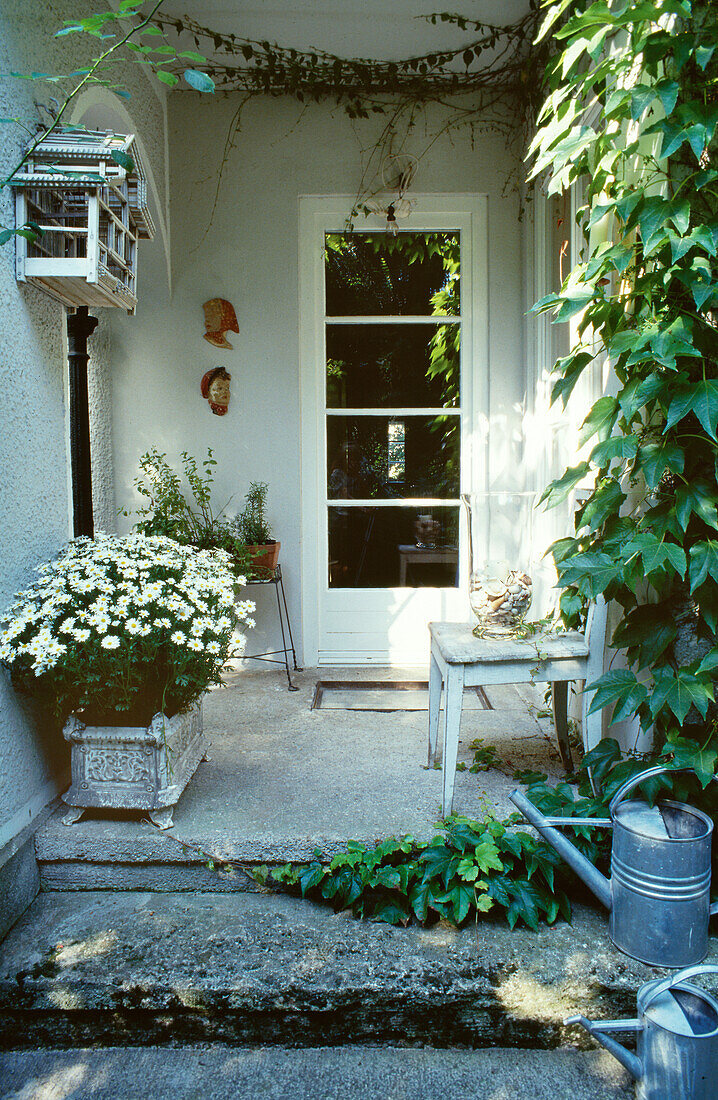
x=96 y=968
x=324 y=1073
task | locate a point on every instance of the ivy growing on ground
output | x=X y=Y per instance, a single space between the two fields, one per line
x=469 y=868
x=473 y=868
x=630 y=122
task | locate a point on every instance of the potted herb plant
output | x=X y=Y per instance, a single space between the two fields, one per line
x=255 y=530
x=193 y=522
x=120 y=637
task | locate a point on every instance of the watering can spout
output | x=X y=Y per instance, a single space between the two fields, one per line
x=583 y=867
x=597 y=1029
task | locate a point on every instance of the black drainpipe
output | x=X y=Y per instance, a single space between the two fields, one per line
x=79 y=327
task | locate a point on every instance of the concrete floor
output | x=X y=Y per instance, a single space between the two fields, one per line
x=283 y=779
x=325 y=1074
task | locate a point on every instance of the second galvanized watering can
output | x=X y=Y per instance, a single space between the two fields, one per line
x=676 y=1039
x=658 y=895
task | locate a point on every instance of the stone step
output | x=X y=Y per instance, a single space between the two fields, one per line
x=145 y=969
x=115 y=854
x=323 y=1073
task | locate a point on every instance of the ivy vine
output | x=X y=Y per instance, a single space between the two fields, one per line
x=630 y=122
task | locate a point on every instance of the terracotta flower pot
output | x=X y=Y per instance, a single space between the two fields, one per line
x=264 y=558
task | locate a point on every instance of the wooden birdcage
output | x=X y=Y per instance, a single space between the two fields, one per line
x=91 y=212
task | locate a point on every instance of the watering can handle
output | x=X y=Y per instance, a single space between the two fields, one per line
x=687 y=972
x=630 y=784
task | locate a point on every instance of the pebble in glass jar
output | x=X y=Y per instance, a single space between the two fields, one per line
x=499 y=604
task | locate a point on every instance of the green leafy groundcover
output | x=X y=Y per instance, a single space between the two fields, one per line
x=471 y=868
x=467 y=869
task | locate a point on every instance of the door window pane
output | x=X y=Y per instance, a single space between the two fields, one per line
x=382 y=457
x=377 y=274
x=393 y=547
x=399 y=366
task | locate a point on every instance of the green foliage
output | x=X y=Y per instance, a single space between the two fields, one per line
x=485 y=756
x=468 y=869
x=190 y=522
x=630 y=121
x=252 y=521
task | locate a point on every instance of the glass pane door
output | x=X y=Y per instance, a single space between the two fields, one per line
x=392 y=326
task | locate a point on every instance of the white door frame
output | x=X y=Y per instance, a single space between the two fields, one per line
x=318 y=214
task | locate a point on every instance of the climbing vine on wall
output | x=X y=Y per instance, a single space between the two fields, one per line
x=490 y=81
x=630 y=122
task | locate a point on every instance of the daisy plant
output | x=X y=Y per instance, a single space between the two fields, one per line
x=119 y=628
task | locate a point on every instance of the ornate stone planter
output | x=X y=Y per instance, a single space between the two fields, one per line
x=133 y=768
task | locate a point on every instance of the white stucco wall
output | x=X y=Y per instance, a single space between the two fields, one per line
x=35 y=501
x=250 y=256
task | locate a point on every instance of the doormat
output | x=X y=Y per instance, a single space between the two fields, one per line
x=385 y=695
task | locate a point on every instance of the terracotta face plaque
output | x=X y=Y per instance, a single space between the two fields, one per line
x=219 y=317
x=215 y=388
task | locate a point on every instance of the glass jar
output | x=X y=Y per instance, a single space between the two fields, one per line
x=500 y=560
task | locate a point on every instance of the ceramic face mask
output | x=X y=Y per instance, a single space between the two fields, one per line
x=215 y=388
x=219 y=317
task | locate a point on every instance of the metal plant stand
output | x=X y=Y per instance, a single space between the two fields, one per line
x=275 y=578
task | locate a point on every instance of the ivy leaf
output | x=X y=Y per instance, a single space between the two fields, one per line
x=422 y=899
x=689 y=754
x=641 y=97
x=667 y=91
x=679 y=691
x=311 y=877
x=646 y=632
x=487 y=857
x=467 y=870
x=390 y=912
x=386 y=876
x=655 y=458
x=559 y=489
x=123 y=160
x=703 y=561
x=591 y=572
x=199 y=80
x=167 y=78
x=602 y=759
x=618 y=446
x=460 y=898
x=600 y=419
x=700 y=398
x=618 y=687
x=524 y=905
x=699 y=499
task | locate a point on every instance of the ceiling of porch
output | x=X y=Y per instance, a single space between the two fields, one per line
x=381 y=29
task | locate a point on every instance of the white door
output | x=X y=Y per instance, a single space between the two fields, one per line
x=394 y=385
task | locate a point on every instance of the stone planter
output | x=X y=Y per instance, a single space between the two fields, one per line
x=133 y=768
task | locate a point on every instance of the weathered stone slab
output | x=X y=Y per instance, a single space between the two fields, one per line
x=148 y=968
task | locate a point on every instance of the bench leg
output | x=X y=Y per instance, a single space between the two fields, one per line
x=434 y=704
x=453 y=699
x=559 y=703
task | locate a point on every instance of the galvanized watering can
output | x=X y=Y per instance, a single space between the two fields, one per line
x=659 y=891
x=676 y=1038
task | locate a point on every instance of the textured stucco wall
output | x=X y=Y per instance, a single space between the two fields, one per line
x=35 y=510
x=250 y=256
